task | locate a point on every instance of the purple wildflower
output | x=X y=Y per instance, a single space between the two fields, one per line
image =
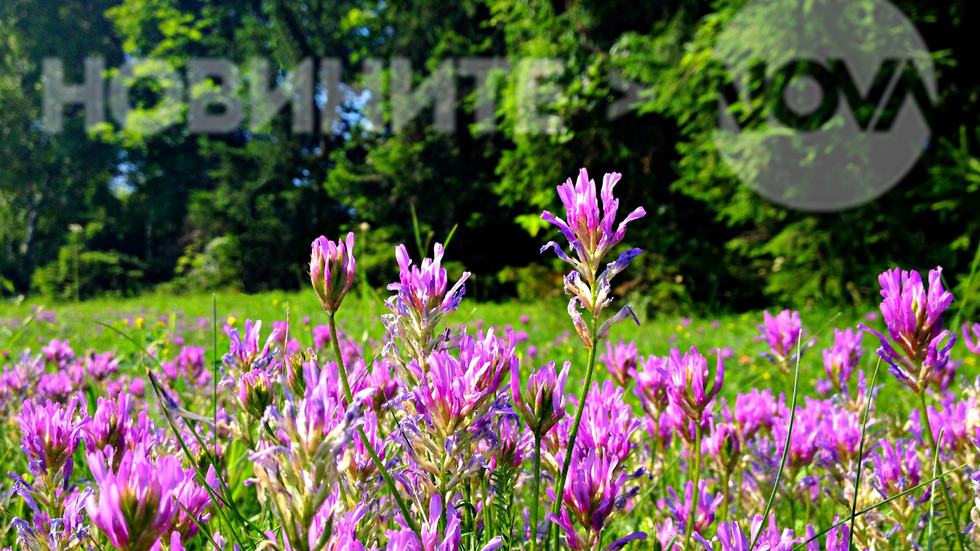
x=704 y=513
x=332 y=270
x=782 y=333
x=50 y=435
x=620 y=361
x=651 y=385
x=840 y=360
x=432 y=539
x=688 y=382
x=915 y=327
x=111 y=424
x=422 y=298
x=44 y=533
x=595 y=491
x=589 y=234
x=546 y=391
x=896 y=467
x=135 y=504
x=591 y=238
x=754 y=411
x=245 y=353
x=456 y=387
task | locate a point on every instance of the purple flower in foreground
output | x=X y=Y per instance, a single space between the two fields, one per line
x=135 y=504
x=914 y=347
x=193 y=499
x=595 y=491
x=50 y=435
x=456 y=387
x=688 y=382
x=423 y=289
x=44 y=533
x=731 y=537
x=838 y=539
x=546 y=395
x=422 y=298
x=332 y=270
x=590 y=234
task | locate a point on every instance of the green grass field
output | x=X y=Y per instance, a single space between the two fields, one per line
x=549 y=337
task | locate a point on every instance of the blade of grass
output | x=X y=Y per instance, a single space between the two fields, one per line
x=857 y=476
x=932 y=495
x=967 y=289
x=416 y=230
x=20 y=331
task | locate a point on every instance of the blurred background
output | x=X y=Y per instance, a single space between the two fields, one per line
x=116 y=209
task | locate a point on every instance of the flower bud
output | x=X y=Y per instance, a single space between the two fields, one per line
x=255 y=391
x=332 y=270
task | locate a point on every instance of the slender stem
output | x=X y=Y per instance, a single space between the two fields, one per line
x=696 y=459
x=725 y=479
x=535 y=489
x=741 y=480
x=566 y=464
x=340 y=359
x=947 y=501
x=857 y=474
x=389 y=481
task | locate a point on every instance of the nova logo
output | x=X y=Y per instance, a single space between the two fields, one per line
x=825 y=104
x=807 y=94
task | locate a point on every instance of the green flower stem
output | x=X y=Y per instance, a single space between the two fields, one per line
x=696 y=458
x=725 y=479
x=535 y=489
x=389 y=481
x=947 y=501
x=566 y=464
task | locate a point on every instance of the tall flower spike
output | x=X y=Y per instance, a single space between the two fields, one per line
x=332 y=270
x=589 y=235
x=914 y=346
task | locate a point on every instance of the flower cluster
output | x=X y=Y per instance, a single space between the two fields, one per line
x=915 y=347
